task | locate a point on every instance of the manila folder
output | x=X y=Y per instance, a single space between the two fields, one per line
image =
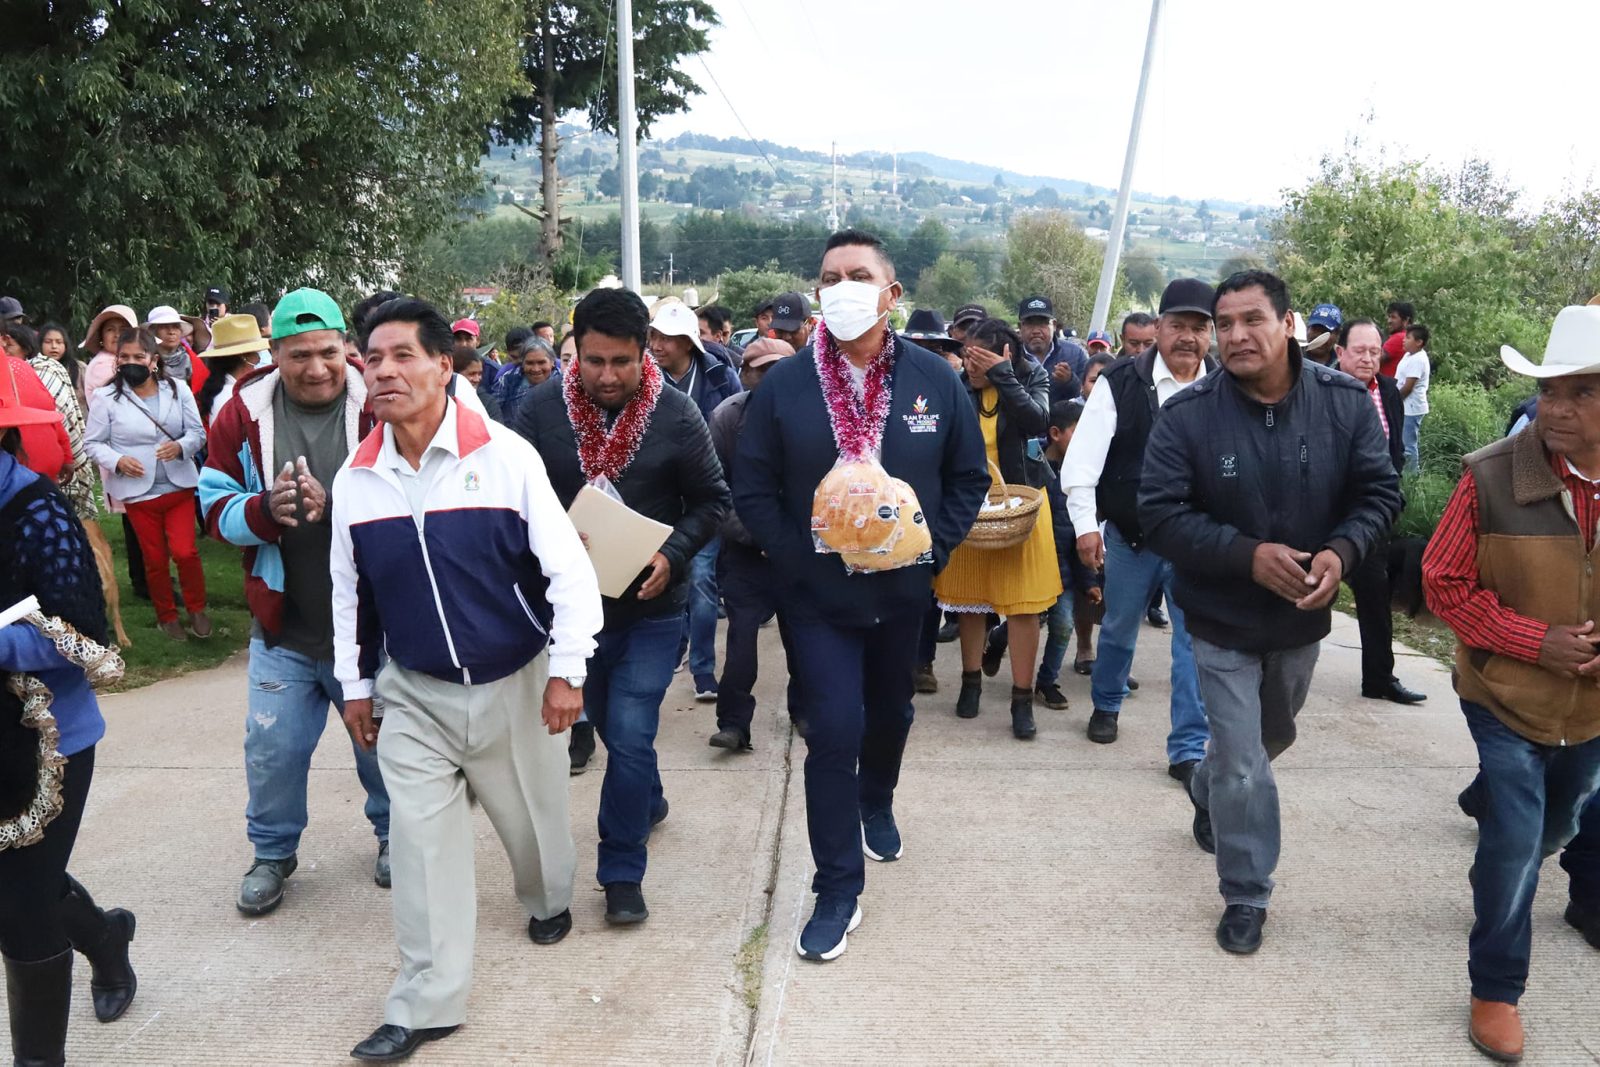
x=621 y=541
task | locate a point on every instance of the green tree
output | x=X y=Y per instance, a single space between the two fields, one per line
x=923 y=247
x=1144 y=277
x=155 y=147
x=949 y=283
x=1565 y=246
x=569 y=62
x=1242 y=262
x=1360 y=235
x=741 y=290
x=1047 y=253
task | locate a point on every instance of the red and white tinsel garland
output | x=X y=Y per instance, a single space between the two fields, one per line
x=608 y=452
x=857 y=421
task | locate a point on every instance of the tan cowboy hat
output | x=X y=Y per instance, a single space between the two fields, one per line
x=1574 y=347
x=114 y=311
x=235 y=335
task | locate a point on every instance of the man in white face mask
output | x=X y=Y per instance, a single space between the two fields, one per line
x=858 y=391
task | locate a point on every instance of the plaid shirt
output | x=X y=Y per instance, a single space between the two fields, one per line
x=1450 y=570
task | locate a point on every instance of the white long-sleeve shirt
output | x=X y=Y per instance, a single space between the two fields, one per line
x=1091 y=441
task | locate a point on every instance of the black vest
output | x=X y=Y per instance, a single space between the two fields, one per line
x=1132 y=385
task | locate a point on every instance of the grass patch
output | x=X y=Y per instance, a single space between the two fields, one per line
x=155 y=656
x=748 y=965
x=1429 y=638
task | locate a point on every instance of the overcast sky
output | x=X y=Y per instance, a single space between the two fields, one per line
x=1245 y=97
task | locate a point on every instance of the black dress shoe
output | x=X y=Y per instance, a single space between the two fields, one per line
x=1156 y=617
x=948 y=632
x=1022 y=724
x=580 y=747
x=1204 y=835
x=102 y=936
x=731 y=739
x=625 y=904
x=390 y=1043
x=1182 y=771
x=549 y=931
x=1239 y=931
x=1102 y=727
x=1585 y=920
x=971 y=690
x=1395 y=693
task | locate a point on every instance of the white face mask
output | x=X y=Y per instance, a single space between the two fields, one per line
x=850 y=309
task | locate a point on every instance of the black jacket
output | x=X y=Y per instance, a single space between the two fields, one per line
x=727 y=423
x=1224 y=473
x=1394 y=413
x=1024 y=414
x=931 y=441
x=1133 y=385
x=674 y=478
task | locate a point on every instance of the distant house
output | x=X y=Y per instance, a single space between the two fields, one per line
x=1096 y=232
x=478 y=296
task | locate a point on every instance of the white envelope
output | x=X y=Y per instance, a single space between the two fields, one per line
x=621 y=541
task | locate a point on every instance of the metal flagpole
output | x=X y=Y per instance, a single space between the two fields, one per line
x=1119 y=222
x=627 y=147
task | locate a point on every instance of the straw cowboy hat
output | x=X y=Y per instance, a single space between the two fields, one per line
x=114 y=311
x=235 y=335
x=1574 y=346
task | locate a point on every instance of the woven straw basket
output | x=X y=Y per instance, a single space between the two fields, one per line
x=1011 y=525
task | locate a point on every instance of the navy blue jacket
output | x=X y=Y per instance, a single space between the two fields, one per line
x=1073 y=355
x=931 y=441
x=714 y=381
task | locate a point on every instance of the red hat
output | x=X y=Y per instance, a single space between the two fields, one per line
x=13 y=412
x=465 y=326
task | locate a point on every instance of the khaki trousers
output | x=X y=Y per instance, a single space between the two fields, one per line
x=441 y=744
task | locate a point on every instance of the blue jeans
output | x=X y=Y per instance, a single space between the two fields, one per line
x=702 y=611
x=628 y=677
x=1581 y=858
x=1132 y=577
x=1410 y=435
x=1532 y=796
x=1058 y=637
x=288 y=707
x=857 y=684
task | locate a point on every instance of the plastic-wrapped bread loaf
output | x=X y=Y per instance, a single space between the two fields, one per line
x=855 y=508
x=910 y=542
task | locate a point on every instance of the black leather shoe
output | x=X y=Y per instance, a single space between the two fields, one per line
x=948 y=632
x=262 y=889
x=102 y=937
x=730 y=739
x=1204 y=836
x=1156 y=617
x=1395 y=693
x=1182 y=771
x=580 y=748
x=549 y=931
x=1586 y=921
x=390 y=1043
x=971 y=690
x=625 y=904
x=994 y=650
x=1022 y=725
x=1239 y=931
x=1102 y=727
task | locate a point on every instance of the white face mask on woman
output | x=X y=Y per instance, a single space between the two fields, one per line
x=850 y=309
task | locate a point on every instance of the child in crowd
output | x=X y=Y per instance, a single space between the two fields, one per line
x=1412 y=375
x=1081 y=600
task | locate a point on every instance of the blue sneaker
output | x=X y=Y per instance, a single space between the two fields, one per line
x=825 y=936
x=880 y=837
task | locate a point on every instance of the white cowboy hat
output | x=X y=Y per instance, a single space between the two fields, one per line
x=1574 y=347
x=165 y=315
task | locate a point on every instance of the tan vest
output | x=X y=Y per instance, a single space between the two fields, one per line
x=1532 y=555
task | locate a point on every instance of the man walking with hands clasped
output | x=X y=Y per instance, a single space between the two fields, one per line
x=1264 y=485
x=486 y=655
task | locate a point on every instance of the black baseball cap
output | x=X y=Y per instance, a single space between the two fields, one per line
x=1188 y=294
x=1035 y=307
x=765 y=305
x=216 y=295
x=789 y=311
x=969 y=313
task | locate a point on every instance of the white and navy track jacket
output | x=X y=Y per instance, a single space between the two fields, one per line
x=493 y=573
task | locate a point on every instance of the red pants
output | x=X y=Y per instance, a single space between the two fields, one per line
x=165 y=528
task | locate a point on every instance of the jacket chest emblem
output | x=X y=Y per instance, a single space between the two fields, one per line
x=472 y=482
x=921 y=420
x=1228 y=465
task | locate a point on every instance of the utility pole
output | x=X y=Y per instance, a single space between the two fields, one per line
x=669 y=270
x=627 y=147
x=894 y=180
x=833 y=212
x=1119 y=221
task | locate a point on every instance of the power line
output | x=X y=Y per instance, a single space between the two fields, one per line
x=736 y=115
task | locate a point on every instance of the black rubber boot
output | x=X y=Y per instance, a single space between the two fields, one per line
x=39 y=996
x=103 y=937
x=1022 y=727
x=971 y=689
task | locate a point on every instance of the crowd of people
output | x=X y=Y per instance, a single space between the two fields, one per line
x=398 y=491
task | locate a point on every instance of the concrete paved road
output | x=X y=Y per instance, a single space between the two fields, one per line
x=1051 y=905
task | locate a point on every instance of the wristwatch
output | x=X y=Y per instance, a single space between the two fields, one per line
x=574 y=680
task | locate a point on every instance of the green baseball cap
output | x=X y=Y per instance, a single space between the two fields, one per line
x=305 y=310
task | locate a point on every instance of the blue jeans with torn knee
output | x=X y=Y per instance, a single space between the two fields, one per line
x=289 y=699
